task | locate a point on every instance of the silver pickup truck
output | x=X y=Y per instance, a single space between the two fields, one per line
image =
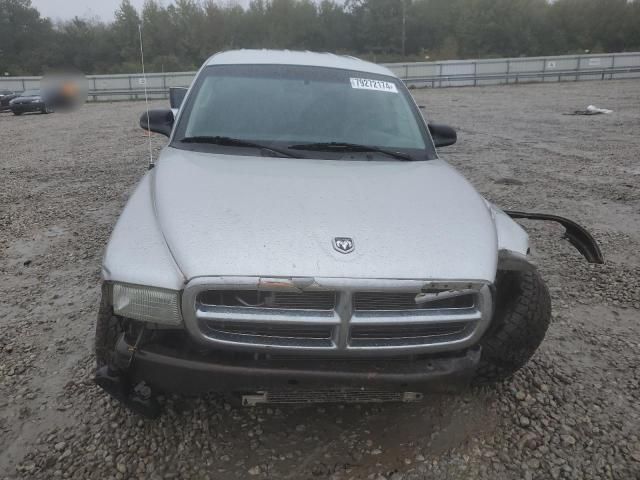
x=299 y=239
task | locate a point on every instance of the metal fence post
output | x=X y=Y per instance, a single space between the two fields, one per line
x=508 y=69
x=613 y=66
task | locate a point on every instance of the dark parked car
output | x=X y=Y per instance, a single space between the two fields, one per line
x=5 y=97
x=30 y=101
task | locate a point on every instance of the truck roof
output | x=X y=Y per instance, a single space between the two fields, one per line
x=290 y=57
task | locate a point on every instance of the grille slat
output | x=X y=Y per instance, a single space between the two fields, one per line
x=405 y=331
x=265 y=330
x=276 y=300
x=291 y=335
x=374 y=335
x=375 y=301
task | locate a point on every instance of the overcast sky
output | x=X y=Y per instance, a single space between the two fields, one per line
x=66 y=9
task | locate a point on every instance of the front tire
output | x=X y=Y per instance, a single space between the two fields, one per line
x=520 y=322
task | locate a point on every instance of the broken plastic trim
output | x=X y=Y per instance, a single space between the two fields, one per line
x=426 y=297
x=116 y=382
x=137 y=398
x=577 y=235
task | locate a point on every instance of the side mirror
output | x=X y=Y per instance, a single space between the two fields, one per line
x=160 y=120
x=443 y=135
x=176 y=96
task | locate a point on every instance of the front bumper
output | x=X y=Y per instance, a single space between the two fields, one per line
x=196 y=371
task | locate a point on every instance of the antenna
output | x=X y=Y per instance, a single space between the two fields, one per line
x=146 y=96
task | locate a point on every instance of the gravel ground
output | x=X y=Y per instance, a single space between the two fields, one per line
x=573 y=412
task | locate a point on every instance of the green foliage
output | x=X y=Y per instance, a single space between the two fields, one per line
x=180 y=34
x=25 y=37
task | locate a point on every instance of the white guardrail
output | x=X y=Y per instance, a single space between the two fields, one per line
x=452 y=73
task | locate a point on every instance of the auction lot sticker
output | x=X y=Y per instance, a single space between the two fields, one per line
x=368 y=84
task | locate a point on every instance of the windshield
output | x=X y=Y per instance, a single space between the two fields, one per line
x=30 y=93
x=288 y=106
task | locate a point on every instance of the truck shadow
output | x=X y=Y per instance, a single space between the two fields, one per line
x=319 y=441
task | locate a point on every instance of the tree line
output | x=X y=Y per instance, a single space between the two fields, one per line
x=180 y=34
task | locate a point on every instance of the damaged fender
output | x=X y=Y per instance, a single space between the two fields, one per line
x=513 y=242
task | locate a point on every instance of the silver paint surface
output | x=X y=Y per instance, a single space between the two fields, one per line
x=289 y=57
x=253 y=216
x=136 y=252
x=511 y=236
x=210 y=214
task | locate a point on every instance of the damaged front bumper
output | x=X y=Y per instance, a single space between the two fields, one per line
x=138 y=373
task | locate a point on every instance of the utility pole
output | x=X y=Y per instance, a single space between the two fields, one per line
x=404 y=27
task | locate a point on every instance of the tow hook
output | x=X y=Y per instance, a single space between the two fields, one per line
x=116 y=382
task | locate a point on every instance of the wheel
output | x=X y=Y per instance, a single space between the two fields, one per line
x=520 y=322
x=17 y=113
x=107 y=330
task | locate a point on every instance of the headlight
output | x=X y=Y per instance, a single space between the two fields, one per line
x=154 y=305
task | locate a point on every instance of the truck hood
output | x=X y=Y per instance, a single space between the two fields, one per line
x=273 y=217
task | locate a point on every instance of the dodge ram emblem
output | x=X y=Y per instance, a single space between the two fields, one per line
x=343 y=244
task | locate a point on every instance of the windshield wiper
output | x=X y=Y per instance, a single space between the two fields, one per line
x=349 y=147
x=236 y=142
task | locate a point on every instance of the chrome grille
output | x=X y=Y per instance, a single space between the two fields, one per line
x=339 y=321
